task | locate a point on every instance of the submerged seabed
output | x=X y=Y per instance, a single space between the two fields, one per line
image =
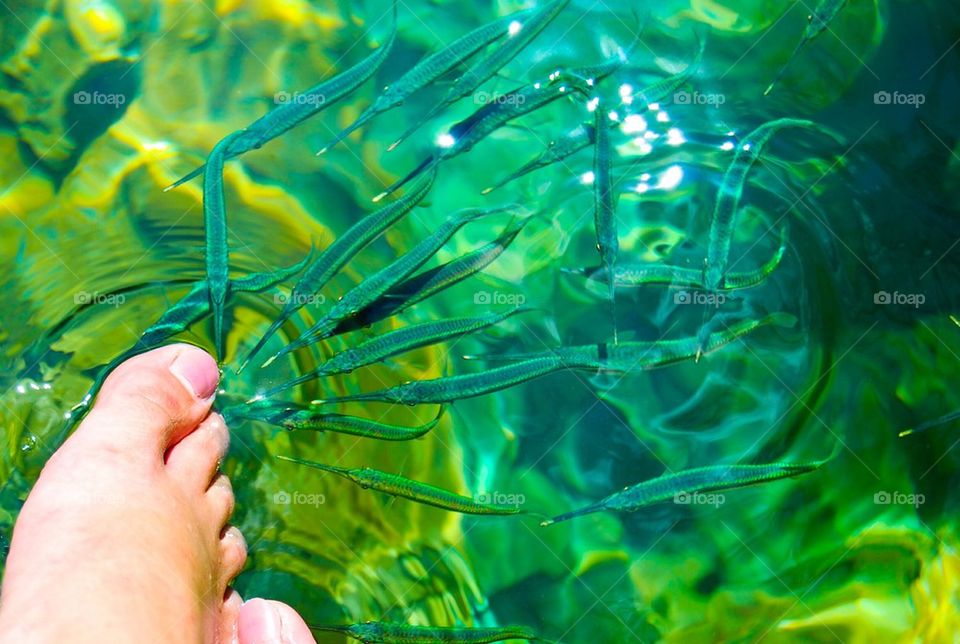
x=102 y=104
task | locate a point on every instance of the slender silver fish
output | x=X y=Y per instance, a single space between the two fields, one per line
x=298 y=109
x=818 y=22
x=430 y=68
x=699 y=480
x=483 y=70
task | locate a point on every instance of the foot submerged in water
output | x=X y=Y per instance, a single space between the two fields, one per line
x=124 y=537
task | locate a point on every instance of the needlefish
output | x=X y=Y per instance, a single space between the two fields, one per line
x=817 y=23
x=380 y=282
x=520 y=35
x=408 y=338
x=464 y=135
x=622 y=357
x=293 y=416
x=432 y=281
x=401 y=486
x=729 y=194
x=678 y=485
x=604 y=204
x=430 y=68
x=388 y=633
x=218 y=250
x=176 y=319
x=633 y=275
x=302 y=106
x=339 y=253
x=640 y=356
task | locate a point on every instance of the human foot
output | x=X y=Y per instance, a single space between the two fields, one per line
x=124 y=538
x=270 y=622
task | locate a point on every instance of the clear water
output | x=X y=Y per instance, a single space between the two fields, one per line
x=863 y=548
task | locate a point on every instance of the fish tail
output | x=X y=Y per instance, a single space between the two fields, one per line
x=196 y=172
x=425 y=165
x=590 y=509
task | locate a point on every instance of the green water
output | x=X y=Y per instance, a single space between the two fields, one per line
x=95 y=252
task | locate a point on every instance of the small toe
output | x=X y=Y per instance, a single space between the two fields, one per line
x=195 y=459
x=233 y=554
x=221 y=502
x=270 y=622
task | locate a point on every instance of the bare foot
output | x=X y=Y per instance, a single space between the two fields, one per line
x=271 y=622
x=124 y=538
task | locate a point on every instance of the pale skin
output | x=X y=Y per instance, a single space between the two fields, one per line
x=125 y=536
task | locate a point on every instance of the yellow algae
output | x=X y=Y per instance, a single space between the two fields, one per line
x=225 y=7
x=595 y=558
x=651 y=243
x=296 y=13
x=935 y=596
x=32 y=192
x=97 y=26
x=716 y=15
x=862 y=620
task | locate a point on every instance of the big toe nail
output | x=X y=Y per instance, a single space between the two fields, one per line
x=270 y=622
x=160 y=395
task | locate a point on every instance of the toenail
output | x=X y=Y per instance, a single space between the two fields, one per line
x=197 y=371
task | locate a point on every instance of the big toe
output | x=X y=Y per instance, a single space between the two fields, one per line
x=154 y=399
x=265 y=621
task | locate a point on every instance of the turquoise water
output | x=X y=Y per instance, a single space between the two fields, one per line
x=861 y=549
